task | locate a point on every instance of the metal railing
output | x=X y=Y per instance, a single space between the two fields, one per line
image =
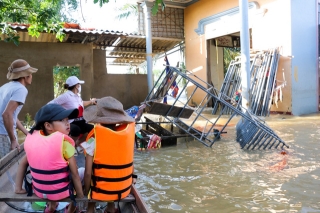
x=252 y=132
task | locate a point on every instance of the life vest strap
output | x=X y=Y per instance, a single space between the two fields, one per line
x=51 y=182
x=27 y=185
x=66 y=188
x=98 y=190
x=97 y=178
x=49 y=172
x=106 y=166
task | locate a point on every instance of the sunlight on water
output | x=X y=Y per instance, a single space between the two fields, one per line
x=190 y=177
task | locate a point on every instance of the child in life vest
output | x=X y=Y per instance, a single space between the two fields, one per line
x=50 y=156
x=109 y=152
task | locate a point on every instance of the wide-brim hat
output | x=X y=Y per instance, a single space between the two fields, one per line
x=108 y=110
x=20 y=68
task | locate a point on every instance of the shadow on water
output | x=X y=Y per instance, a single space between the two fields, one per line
x=193 y=178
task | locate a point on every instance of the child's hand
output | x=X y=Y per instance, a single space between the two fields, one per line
x=20 y=191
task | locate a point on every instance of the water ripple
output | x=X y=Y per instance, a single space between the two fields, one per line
x=192 y=178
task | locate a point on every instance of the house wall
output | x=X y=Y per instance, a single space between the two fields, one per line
x=129 y=89
x=304 y=72
x=45 y=56
x=287 y=24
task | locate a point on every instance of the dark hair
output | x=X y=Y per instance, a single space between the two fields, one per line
x=43 y=128
x=17 y=79
x=66 y=86
x=110 y=126
x=40 y=127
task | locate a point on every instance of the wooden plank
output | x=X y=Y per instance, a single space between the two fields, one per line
x=163 y=109
x=13 y=197
x=11 y=158
x=142 y=206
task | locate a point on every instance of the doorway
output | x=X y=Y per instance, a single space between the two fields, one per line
x=60 y=75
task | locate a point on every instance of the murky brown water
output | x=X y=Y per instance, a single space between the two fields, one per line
x=193 y=178
x=190 y=177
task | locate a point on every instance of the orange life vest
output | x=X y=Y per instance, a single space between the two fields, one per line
x=112 y=162
x=49 y=169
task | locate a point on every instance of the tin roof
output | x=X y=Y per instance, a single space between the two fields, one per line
x=124 y=48
x=176 y=3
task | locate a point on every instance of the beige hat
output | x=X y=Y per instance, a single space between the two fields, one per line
x=20 y=68
x=107 y=111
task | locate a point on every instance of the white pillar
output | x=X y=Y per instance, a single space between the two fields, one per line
x=147 y=14
x=245 y=52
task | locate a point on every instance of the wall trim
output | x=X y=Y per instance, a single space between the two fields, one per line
x=208 y=20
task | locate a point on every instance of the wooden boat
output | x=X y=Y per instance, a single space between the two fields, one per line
x=14 y=203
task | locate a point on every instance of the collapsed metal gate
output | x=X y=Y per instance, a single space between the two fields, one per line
x=252 y=132
x=263 y=70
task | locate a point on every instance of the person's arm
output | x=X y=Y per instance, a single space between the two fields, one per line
x=75 y=176
x=87 y=174
x=21 y=127
x=20 y=174
x=7 y=116
x=91 y=102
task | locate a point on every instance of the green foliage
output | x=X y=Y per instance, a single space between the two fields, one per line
x=39 y=16
x=27 y=121
x=44 y=16
x=101 y=2
x=155 y=7
x=127 y=10
x=229 y=54
x=12 y=35
x=183 y=69
x=60 y=75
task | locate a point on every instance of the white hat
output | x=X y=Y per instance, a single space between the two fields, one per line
x=73 y=80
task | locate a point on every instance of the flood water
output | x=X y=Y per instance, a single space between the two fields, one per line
x=190 y=177
x=193 y=178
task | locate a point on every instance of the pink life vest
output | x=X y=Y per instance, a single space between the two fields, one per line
x=49 y=169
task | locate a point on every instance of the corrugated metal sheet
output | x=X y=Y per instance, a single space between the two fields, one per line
x=133 y=49
x=122 y=47
x=179 y=3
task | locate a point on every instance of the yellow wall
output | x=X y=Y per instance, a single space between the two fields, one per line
x=270 y=26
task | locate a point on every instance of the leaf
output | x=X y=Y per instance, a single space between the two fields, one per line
x=16 y=41
x=154 y=9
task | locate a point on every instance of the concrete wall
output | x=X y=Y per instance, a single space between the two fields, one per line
x=45 y=56
x=129 y=89
x=304 y=72
x=287 y=24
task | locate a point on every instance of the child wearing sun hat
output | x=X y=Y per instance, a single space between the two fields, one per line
x=109 y=150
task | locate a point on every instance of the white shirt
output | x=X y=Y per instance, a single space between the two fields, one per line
x=11 y=91
x=89 y=146
x=69 y=100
